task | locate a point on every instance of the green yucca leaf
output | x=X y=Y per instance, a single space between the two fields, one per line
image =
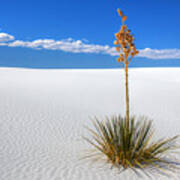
x=130 y=147
x=96 y=146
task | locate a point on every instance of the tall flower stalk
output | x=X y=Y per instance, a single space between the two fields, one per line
x=125 y=141
x=126 y=49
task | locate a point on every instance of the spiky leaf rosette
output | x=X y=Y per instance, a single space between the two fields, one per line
x=135 y=149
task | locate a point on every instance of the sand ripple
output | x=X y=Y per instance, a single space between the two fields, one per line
x=43 y=114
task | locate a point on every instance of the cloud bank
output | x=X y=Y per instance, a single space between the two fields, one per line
x=160 y=54
x=4 y=37
x=82 y=46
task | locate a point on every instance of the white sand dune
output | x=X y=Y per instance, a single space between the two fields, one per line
x=42 y=114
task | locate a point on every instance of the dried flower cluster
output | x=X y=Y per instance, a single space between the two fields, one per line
x=124 y=41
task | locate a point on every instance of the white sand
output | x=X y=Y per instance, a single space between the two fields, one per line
x=42 y=114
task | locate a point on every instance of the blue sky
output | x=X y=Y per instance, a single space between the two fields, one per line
x=80 y=34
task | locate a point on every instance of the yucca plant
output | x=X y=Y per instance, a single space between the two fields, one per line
x=133 y=149
x=124 y=141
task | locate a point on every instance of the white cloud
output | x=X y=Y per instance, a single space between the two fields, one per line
x=154 y=53
x=83 y=46
x=4 y=37
x=67 y=45
x=160 y=54
x=79 y=46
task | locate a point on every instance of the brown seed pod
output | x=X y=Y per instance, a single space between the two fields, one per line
x=134 y=49
x=122 y=31
x=117 y=35
x=122 y=35
x=130 y=39
x=128 y=51
x=118 y=59
x=132 y=53
x=126 y=41
x=129 y=42
x=124 y=50
x=127 y=36
x=116 y=42
x=118 y=49
x=121 y=59
x=124 y=27
x=128 y=31
x=137 y=52
x=124 y=18
x=120 y=12
x=123 y=44
x=120 y=42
